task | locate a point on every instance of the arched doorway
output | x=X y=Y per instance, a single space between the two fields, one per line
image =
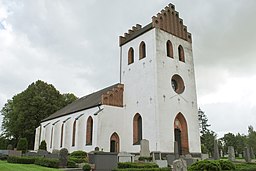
x=114 y=143
x=181 y=134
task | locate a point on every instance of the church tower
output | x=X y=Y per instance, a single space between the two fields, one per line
x=157 y=71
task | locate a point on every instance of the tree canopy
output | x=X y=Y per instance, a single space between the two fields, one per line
x=23 y=113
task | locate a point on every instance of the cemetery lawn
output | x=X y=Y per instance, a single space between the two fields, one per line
x=4 y=166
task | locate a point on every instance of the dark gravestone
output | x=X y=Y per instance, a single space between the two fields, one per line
x=216 y=154
x=170 y=159
x=103 y=161
x=63 y=157
x=247 y=155
x=42 y=153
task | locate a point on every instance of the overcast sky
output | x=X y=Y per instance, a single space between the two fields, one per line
x=73 y=44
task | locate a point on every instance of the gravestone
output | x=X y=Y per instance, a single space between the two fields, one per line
x=144 y=148
x=125 y=157
x=103 y=161
x=216 y=154
x=240 y=155
x=156 y=155
x=252 y=153
x=204 y=156
x=247 y=155
x=161 y=163
x=189 y=159
x=231 y=153
x=179 y=165
x=170 y=159
x=63 y=157
x=176 y=150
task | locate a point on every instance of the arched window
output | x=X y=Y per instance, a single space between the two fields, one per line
x=169 y=49
x=142 y=50
x=181 y=53
x=74 y=134
x=114 y=143
x=137 y=129
x=61 y=134
x=181 y=134
x=130 y=56
x=89 y=131
x=51 y=137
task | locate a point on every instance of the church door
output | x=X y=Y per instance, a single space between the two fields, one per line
x=114 y=143
x=177 y=133
x=181 y=134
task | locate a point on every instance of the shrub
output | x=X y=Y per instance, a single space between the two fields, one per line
x=227 y=165
x=9 y=147
x=71 y=164
x=79 y=154
x=205 y=165
x=21 y=160
x=43 y=146
x=3 y=157
x=136 y=165
x=53 y=163
x=22 y=145
x=245 y=166
x=77 y=160
x=86 y=167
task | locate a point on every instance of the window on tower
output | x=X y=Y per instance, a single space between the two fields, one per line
x=169 y=49
x=130 y=56
x=137 y=129
x=142 y=50
x=181 y=53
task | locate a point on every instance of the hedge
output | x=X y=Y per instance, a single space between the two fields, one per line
x=53 y=163
x=71 y=164
x=136 y=165
x=78 y=160
x=245 y=166
x=144 y=169
x=212 y=165
x=86 y=167
x=21 y=160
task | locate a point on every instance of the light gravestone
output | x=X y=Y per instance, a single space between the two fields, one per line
x=144 y=148
x=247 y=155
x=216 y=153
x=179 y=165
x=231 y=153
x=125 y=157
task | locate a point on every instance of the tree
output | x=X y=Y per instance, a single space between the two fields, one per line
x=207 y=136
x=229 y=139
x=23 y=113
x=203 y=122
x=251 y=138
x=22 y=145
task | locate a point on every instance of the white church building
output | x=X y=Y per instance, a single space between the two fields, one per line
x=154 y=100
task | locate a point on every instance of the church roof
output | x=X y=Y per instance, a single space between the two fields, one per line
x=86 y=102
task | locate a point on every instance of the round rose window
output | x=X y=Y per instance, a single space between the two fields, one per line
x=177 y=84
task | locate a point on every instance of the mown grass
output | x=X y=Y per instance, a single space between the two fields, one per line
x=4 y=166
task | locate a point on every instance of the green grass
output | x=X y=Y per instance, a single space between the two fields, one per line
x=4 y=166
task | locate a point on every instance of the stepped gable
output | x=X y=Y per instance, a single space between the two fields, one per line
x=167 y=20
x=112 y=95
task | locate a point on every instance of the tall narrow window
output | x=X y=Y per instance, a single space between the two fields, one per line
x=89 y=131
x=114 y=143
x=137 y=129
x=181 y=54
x=74 y=134
x=61 y=134
x=142 y=50
x=51 y=137
x=169 y=49
x=130 y=56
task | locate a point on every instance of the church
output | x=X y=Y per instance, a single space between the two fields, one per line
x=155 y=98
